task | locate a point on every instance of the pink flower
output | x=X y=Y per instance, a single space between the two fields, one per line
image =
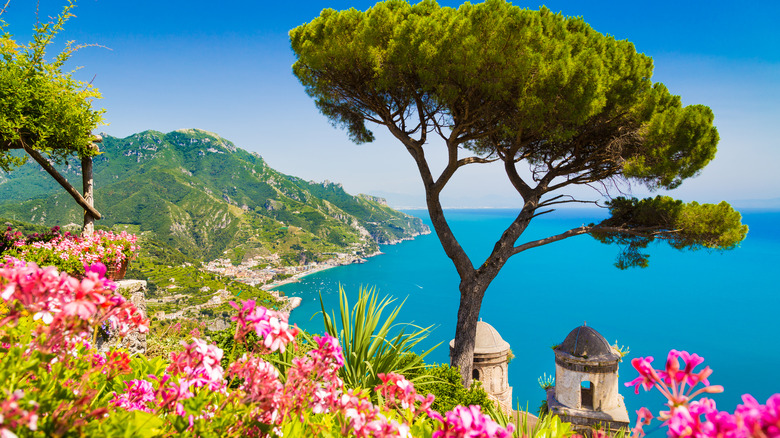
x=725 y=425
x=700 y=418
x=397 y=390
x=470 y=422
x=313 y=380
x=260 y=383
x=643 y=418
x=138 y=395
x=270 y=326
x=82 y=308
x=400 y=393
x=199 y=363
x=98 y=268
x=647 y=375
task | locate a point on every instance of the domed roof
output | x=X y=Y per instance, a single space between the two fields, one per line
x=487 y=341
x=585 y=342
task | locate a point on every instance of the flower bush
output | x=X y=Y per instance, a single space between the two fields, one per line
x=56 y=384
x=687 y=417
x=70 y=252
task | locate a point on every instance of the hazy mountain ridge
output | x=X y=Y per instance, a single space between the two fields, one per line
x=200 y=193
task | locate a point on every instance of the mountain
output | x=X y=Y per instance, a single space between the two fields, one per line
x=198 y=192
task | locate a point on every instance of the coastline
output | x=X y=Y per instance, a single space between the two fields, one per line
x=246 y=273
x=325 y=266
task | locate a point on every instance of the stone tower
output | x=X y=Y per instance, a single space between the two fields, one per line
x=586 y=382
x=491 y=361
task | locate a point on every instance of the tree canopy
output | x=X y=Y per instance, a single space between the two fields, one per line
x=44 y=108
x=530 y=90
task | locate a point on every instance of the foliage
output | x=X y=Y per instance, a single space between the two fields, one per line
x=370 y=347
x=684 y=417
x=545 y=382
x=43 y=107
x=633 y=224
x=550 y=426
x=443 y=381
x=537 y=85
x=56 y=384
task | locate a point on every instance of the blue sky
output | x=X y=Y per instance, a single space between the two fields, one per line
x=225 y=67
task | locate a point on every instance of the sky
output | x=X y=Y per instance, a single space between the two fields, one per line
x=226 y=67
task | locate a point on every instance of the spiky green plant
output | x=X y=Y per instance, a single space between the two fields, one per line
x=546 y=382
x=372 y=344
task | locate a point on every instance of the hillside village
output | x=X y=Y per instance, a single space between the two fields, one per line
x=260 y=271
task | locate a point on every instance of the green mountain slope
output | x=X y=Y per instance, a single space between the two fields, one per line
x=198 y=192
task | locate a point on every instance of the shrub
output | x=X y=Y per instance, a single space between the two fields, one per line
x=444 y=382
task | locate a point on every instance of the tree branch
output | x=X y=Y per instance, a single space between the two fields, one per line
x=63 y=182
x=639 y=231
x=553 y=201
x=511 y=171
x=547 y=240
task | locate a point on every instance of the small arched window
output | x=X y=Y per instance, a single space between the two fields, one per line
x=475 y=374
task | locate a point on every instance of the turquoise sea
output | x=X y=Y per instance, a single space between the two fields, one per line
x=725 y=306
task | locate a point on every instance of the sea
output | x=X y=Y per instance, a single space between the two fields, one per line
x=721 y=305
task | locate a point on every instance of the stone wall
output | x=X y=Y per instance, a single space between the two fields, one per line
x=135 y=342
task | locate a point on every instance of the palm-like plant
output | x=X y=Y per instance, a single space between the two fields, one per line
x=368 y=343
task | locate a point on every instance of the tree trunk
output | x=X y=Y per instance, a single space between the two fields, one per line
x=88 y=185
x=462 y=354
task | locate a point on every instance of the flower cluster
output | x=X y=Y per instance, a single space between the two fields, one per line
x=365 y=420
x=137 y=396
x=313 y=380
x=259 y=386
x=400 y=393
x=199 y=364
x=101 y=246
x=13 y=238
x=687 y=417
x=67 y=306
x=270 y=326
x=51 y=372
